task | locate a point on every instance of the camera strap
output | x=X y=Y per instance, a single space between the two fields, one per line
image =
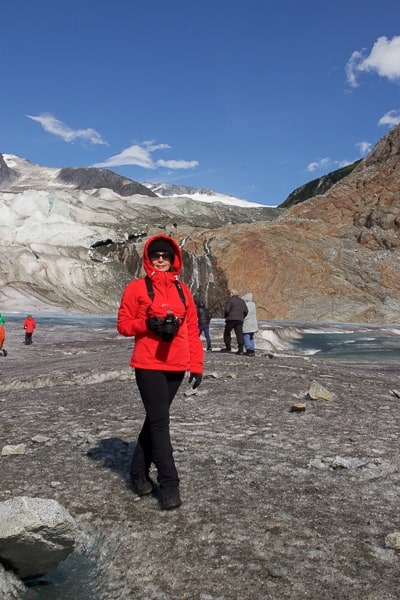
x=150 y=290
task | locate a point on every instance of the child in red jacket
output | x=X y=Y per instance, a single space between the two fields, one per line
x=29 y=326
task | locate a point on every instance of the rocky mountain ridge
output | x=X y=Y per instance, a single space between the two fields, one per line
x=170 y=189
x=317 y=186
x=333 y=257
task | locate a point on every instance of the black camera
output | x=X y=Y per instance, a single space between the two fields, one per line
x=171 y=326
x=165 y=327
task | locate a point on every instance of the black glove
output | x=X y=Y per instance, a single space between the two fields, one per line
x=156 y=325
x=196 y=378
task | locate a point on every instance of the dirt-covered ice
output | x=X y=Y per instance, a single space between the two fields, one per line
x=276 y=504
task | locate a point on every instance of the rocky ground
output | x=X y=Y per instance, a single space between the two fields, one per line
x=276 y=504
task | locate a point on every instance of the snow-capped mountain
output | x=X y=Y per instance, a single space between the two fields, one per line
x=201 y=194
x=23 y=174
x=17 y=174
x=72 y=237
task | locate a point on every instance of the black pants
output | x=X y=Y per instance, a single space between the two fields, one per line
x=238 y=327
x=157 y=389
x=28 y=339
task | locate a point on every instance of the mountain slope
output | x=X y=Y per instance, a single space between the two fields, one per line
x=204 y=195
x=70 y=237
x=333 y=257
x=317 y=186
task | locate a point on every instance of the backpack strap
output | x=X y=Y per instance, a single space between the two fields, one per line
x=180 y=292
x=149 y=286
x=150 y=290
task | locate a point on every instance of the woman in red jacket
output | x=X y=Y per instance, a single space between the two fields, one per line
x=159 y=311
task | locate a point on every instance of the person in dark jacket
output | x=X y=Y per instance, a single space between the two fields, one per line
x=160 y=313
x=235 y=310
x=204 y=318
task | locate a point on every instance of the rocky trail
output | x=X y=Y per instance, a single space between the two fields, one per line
x=276 y=504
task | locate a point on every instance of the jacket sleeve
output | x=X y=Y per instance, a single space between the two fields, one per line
x=130 y=322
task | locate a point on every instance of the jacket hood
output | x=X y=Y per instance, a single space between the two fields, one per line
x=248 y=297
x=176 y=266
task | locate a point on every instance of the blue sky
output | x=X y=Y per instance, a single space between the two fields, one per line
x=250 y=99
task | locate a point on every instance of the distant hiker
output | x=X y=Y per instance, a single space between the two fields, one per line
x=29 y=326
x=159 y=311
x=250 y=325
x=204 y=318
x=235 y=310
x=2 y=335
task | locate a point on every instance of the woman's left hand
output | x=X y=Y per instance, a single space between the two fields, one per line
x=196 y=378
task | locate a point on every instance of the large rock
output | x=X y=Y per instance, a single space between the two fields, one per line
x=36 y=534
x=11 y=588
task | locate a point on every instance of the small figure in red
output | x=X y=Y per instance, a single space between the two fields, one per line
x=29 y=326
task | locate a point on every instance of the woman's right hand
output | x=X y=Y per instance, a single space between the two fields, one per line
x=156 y=325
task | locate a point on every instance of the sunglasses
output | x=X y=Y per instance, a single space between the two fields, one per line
x=163 y=255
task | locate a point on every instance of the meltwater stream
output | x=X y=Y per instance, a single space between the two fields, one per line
x=334 y=341
x=354 y=343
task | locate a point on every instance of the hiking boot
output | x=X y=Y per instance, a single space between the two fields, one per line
x=169 y=498
x=142 y=486
x=250 y=353
x=240 y=351
x=5 y=352
x=209 y=349
x=225 y=350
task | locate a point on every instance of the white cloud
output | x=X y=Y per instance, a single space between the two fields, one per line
x=351 y=68
x=384 y=59
x=141 y=156
x=319 y=164
x=328 y=164
x=364 y=147
x=53 y=125
x=134 y=155
x=391 y=118
x=178 y=164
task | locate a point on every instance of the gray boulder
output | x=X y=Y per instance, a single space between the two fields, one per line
x=11 y=587
x=36 y=534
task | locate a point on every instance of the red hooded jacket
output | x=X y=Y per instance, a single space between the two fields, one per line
x=29 y=324
x=185 y=351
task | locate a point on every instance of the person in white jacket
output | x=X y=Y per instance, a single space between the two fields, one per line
x=250 y=325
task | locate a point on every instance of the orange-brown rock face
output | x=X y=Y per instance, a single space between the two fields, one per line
x=332 y=258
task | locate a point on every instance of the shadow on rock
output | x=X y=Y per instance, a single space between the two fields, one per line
x=116 y=455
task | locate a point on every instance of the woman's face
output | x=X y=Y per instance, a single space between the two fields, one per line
x=161 y=261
